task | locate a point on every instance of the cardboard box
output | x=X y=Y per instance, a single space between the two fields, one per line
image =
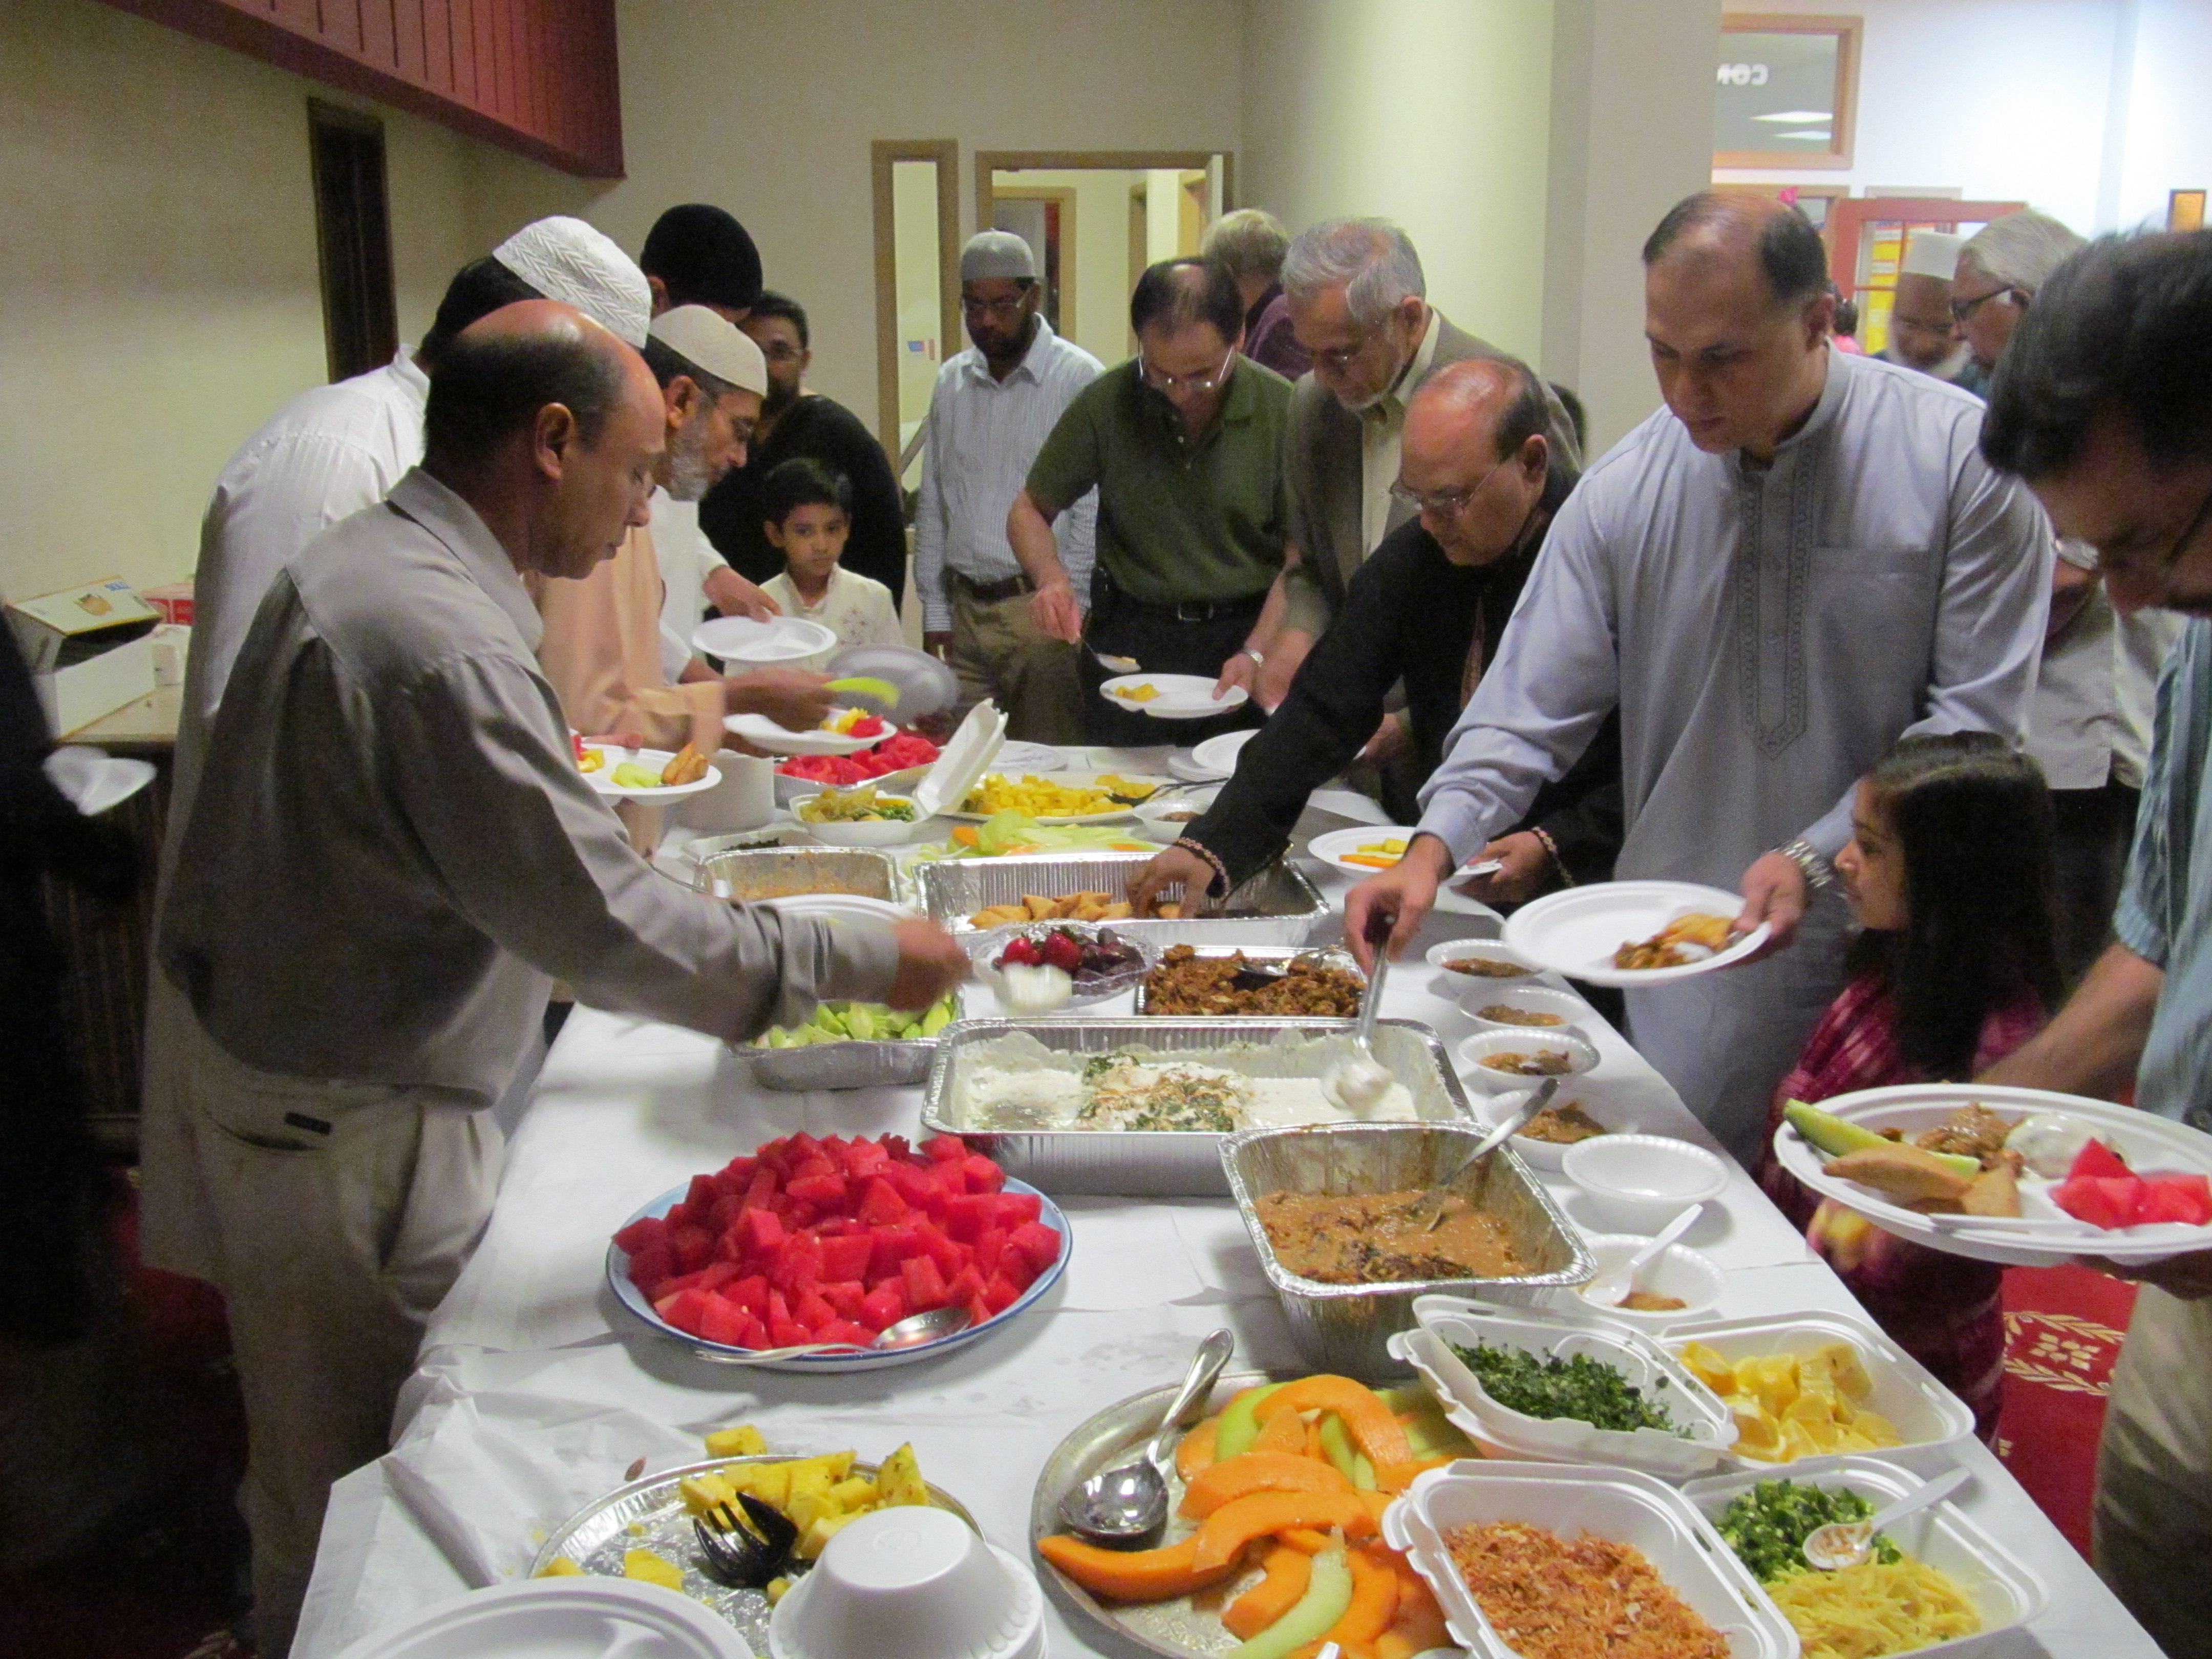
x=88 y=649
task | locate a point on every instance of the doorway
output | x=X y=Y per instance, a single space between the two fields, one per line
x=1095 y=219
x=917 y=213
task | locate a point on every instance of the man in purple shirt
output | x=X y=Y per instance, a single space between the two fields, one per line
x=1251 y=242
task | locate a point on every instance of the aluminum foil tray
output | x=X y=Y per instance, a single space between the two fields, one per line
x=748 y=874
x=649 y=1514
x=1271 y=956
x=1162 y=1162
x=1277 y=906
x=1343 y=1327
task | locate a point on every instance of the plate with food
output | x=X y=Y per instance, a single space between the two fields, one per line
x=645 y=774
x=1172 y=697
x=843 y=732
x=1225 y=980
x=722 y=1265
x=2018 y=1177
x=1170 y=813
x=1935 y=1582
x=776 y=1510
x=1036 y=967
x=1364 y=849
x=1277 y=1463
x=1568 y=1560
x=864 y=816
x=1633 y=932
x=1063 y=798
x=778 y=640
x=1574 y=1115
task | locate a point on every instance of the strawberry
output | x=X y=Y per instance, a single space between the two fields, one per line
x=1022 y=952
x=1061 y=950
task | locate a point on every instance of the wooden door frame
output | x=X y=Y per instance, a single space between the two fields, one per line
x=882 y=153
x=1063 y=196
x=989 y=162
x=1848 y=218
x=1843 y=129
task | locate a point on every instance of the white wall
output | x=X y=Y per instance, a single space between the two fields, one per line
x=159 y=294
x=2089 y=110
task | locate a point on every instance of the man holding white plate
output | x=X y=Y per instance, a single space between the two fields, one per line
x=1800 y=559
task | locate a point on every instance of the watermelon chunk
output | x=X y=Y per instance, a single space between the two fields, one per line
x=847 y=1256
x=651 y=1266
x=763 y=1232
x=944 y=1149
x=881 y=1204
x=1000 y=1293
x=825 y=1191
x=2100 y=1161
x=925 y=1285
x=2186 y=1199
x=846 y=1296
x=1036 y=1241
x=981 y=1175
x=646 y=1230
x=2101 y=1200
x=694 y=1246
x=749 y=1293
x=884 y=1305
x=686 y=1310
x=723 y=1320
x=813 y=1309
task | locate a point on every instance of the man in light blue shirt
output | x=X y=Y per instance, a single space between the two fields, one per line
x=994 y=406
x=2103 y=403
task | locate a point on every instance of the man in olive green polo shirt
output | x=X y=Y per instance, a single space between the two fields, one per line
x=1184 y=444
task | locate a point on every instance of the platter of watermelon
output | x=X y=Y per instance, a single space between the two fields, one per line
x=809 y=1240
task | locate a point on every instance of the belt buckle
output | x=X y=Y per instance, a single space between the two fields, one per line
x=1194 y=610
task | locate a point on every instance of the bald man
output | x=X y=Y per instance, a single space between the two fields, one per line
x=391 y=859
x=1478 y=473
x=1798 y=561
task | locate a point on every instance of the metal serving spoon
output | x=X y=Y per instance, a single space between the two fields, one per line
x=1125 y=1507
x=1440 y=1189
x=1842 y=1544
x=908 y=1332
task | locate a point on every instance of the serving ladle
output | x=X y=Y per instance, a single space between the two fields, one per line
x=912 y=1332
x=1125 y=1507
x=1440 y=1189
x=1842 y=1544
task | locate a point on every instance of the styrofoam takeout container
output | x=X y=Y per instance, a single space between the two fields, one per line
x=1573 y=1500
x=1677 y=1271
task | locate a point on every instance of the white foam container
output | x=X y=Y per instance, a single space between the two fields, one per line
x=1677 y=1271
x=1444 y=1319
x=573 y=1618
x=1473 y=1051
x=1573 y=1500
x=1596 y=1101
x=2000 y=1587
x=1926 y=1413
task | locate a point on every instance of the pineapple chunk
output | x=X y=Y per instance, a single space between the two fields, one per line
x=705 y=1492
x=899 y=1480
x=776 y=1587
x=854 y=1492
x=808 y=1507
x=1708 y=1367
x=836 y=1465
x=561 y=1567
x=817 y=1537
x=653 y=1569
x=769 y=1482
x=742 y=1441
x=811 y=1481
x=1850 y=1372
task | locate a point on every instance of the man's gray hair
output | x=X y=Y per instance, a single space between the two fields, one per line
x=2022 y=249
x=1250 y=242
x=1372 y=258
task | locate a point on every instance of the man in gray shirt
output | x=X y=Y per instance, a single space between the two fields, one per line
x=391 y=858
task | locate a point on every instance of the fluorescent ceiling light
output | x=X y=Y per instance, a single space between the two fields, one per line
x=1821 y=133
x=1796 y=116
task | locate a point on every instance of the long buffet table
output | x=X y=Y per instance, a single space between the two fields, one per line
x=535 y=1393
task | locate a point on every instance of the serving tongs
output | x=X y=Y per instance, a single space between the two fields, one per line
x=1490 y=1142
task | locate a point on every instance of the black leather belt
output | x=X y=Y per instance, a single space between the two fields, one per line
x=1182 y=610
x=991 y=592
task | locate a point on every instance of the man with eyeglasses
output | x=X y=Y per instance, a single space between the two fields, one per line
x=1184 y=445
x=990 y=412
x=1798 y=561
x=1431 y=607
x=1999 y=269
x=2103 y=403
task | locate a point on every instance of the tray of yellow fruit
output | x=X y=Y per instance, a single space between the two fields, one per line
x=645 y=1529
x=645 y=774
x=1063 y=798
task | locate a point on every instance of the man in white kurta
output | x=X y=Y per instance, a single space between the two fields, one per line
x=1771 y=590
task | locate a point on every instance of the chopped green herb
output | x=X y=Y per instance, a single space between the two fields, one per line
x=1767 y=1526
x=1586 y=1389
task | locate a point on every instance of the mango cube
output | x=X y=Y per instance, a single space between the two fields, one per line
x=743 y=1441
x=653 y=1569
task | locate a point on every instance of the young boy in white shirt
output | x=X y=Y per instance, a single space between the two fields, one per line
x=809 y=515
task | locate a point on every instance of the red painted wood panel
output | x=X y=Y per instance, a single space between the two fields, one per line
x=540 y=76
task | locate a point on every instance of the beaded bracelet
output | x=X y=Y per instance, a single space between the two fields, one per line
x=1220 y=870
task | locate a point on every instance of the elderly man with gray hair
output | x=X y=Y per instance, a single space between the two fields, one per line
x=1357 y=298
x=1999 y=269
x=1251 y=242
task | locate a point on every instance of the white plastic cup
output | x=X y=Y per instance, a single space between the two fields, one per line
x=743 y=800
x=915 y=1582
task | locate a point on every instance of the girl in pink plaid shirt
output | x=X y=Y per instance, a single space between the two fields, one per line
x=1950 y=876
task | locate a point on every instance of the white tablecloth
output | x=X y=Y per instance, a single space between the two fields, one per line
x=535 y=1391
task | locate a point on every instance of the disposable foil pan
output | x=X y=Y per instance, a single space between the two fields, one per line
x=1343 y=1327
x=746 y=875
x=852 y=1063
x=1277 y=906
x=1259 y=956
x=1159 y=1163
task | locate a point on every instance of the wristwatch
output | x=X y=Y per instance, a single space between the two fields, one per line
x=1811 y=862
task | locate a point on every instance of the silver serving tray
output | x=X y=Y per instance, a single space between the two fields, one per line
x=649 y=1514
x=1160 y=1163
x=1272 y=956
x=854 y=1063
x=1173 y=1629
x=1343 y=1327
x=1284 y=907
x=747 y=875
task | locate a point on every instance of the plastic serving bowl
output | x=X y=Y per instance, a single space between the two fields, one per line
x=1452 y=950
x=1597 y=1102
x=865 y=832
x=1478 y=1048
x=1638 y=1183
x=1524 y=998
x=1677 y=1271
x=914 y=1582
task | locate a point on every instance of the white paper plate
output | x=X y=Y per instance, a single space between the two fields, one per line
x=653 y=760
x=558 y=1619
x=1069 y=780
x=742 y=640
x=838 y=907
x=1183 y=697
x=1184 y=769
x=1331 y=847
x=925 y=684
x=93 y=781
x=1576 y=932
x=763 y=732
x=2043 y=1235
x=1219 y=755
x=1030 y=757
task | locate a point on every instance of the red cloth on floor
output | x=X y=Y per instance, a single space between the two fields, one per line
x=2062 y=1331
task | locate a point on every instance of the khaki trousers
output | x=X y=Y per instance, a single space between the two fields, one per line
x=333 y=1217
x=2153 y=1529
x=998 y=651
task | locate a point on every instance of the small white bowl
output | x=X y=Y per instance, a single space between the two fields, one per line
x=1677 y=1271
x=1154 y=813
x=864 y=832
x=1476 y=1050
x=1526 y=998
x=1490 y=949
x=915 y=1582
x=1638 y=1183
x=1549 y=1154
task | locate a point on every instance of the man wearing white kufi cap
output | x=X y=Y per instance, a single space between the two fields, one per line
x=994 y=405
x=1922 y=335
